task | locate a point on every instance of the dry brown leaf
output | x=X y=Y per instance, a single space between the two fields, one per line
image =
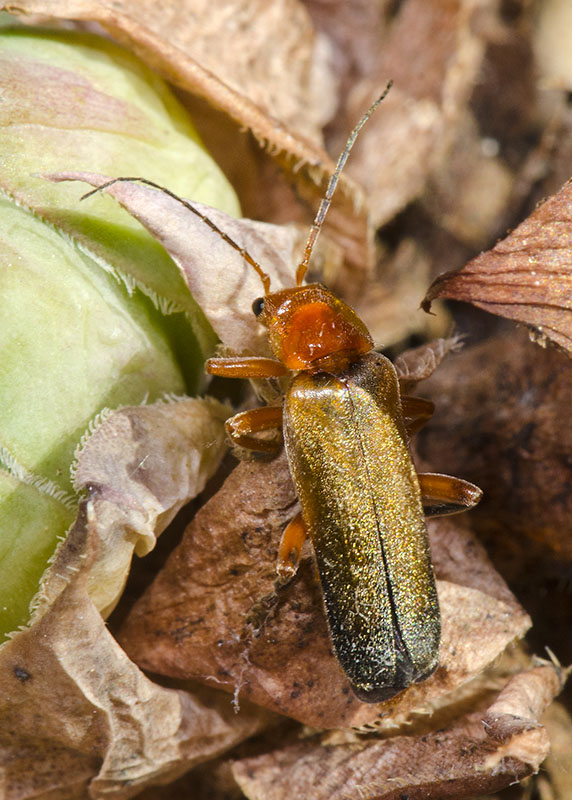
x=505 y=405
x=194 y=619
x=479 y=753
x=502 y=422
x=526 y=277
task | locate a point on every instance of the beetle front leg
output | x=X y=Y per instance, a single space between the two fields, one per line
x=246 y=367
x=241 y=427
x=442 y=494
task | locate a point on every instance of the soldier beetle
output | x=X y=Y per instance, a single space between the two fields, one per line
x=345 y=428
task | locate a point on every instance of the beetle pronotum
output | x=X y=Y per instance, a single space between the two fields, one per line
x=345 y=429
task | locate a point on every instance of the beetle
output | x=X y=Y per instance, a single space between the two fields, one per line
x=345 y=429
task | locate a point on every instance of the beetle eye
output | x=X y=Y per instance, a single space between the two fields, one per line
x=258 y=306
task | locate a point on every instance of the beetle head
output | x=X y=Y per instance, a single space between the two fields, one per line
x=309 y=327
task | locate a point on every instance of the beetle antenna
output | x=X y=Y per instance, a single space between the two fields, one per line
x=264 y=277
x=327 y=199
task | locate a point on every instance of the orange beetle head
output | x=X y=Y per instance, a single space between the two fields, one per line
x=309 y=327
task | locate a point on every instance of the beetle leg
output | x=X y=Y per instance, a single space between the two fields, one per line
x=444 y=495
x=242 y=425
x=416 y=412
x=293 y=538
x=246 y=367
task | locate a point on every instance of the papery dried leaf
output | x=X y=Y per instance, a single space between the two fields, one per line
x=526 y=277
x=220 y=280
x=456 y=762
x=212 y=613
x=140 y=466
x=77 y=718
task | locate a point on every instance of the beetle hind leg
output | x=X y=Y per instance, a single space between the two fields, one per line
x=443 y=494
x=293 y=537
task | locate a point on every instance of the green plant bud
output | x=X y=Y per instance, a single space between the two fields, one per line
x=93 y=312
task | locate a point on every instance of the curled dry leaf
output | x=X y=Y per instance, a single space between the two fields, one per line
x=139 y=466
x=104 y=728
x=220 y=280
x=104 y=724
x=212 y=613
x=481 y=752
x=526 y=277
x=419 y=363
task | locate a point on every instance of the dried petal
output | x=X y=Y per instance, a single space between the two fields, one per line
x=526 y=277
